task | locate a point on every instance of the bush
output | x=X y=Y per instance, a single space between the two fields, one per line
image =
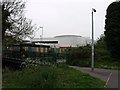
x=75 y=55
x=101 y=51
x=81 y=56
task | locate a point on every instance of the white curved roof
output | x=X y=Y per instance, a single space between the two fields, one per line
x=67 y=36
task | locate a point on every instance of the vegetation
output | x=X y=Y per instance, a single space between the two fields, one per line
x=101 y=50
x=15 y=26
x=112 y=26
x=60 y=76
x=103 y=57
x=74 y=56
x=81 y=56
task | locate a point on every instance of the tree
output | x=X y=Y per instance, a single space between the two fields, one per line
x=100 y=43
x=101 y=51
x=14 y=24
x=112 y=26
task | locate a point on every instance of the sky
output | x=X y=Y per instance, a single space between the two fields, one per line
x=67 y=17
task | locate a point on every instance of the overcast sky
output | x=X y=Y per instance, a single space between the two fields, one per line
x=67 y=17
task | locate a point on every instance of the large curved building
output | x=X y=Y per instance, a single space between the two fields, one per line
x=72 y=40
x=64 y=41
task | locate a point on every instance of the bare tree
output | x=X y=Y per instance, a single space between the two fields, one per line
x=14 y=24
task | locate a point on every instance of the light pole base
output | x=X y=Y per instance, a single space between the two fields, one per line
x=92 y=69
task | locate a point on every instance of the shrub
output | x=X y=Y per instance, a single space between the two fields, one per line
x=74 y=55
x=101 y=51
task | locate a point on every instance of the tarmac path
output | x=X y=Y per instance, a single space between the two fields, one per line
x=107 y=75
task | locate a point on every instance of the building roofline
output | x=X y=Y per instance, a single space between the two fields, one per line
x=67 y=36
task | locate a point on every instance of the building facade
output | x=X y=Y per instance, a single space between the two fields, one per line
x=63 y=41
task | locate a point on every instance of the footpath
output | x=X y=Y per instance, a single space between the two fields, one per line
x=111 y=77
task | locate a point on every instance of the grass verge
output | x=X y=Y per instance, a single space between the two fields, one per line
x=105 y=64
x=60 y=76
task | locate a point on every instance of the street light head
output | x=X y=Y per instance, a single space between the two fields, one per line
x=93 y=9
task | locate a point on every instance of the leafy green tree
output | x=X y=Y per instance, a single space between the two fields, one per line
x=112 y=26
x=101 y=51
x=100 y=43
x=15 y=26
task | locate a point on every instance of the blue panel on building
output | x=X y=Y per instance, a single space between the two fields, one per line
x=58 y=50
x=29 y=49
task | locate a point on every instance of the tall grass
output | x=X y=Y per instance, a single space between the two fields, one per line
x=60 y=76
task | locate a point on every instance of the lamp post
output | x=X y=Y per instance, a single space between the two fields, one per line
x=92 y=66
x=42 y=32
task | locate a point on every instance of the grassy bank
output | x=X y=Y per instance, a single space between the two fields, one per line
x=105 y=64
x=114 y=65
x=59 y=76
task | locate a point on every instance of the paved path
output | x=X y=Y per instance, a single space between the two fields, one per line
x=107 y=75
